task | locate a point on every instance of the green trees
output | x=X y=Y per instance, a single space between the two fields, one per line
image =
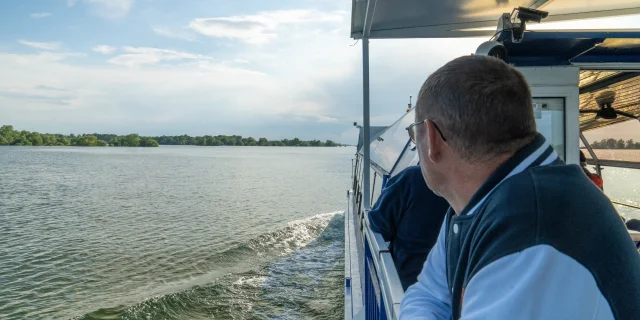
x=63 y=141
x=84 y=141
x=7 y=133
x=35 y=138
x=148 y=142
x=615 y=144
x=10 y=136
x=330 y=143
x=263 y=142
x=130 y=140
x=251 y=142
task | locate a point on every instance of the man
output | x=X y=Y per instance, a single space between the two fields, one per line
x=527 y=237
x=409 y=215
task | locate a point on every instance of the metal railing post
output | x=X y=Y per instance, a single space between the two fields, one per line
x=366 y=127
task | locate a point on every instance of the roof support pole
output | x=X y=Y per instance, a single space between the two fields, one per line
x=365 y=120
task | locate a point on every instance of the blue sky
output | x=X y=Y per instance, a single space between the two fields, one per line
x=257 y=68
x=262 y=68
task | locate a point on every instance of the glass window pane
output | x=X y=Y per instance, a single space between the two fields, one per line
x=549 y=115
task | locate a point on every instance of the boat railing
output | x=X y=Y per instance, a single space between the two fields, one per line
x=382 y=291
x=382 y=284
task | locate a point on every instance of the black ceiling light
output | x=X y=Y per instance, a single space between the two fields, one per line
x=605 y=102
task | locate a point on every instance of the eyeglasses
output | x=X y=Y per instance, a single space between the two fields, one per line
x=412 y=130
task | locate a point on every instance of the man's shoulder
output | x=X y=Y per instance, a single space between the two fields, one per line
x=411 y=172
x=545 y=181
x=541 y=191
x=407 y=176
x=551 y=205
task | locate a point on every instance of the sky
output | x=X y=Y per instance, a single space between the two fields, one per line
x=274 y=69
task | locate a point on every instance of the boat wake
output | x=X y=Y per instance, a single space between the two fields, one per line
x=291 y=273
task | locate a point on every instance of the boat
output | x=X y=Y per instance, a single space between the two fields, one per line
x=575 y=77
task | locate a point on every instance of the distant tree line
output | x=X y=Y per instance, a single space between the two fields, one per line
x=9 y=136
x=615 y=144
x=222 y=140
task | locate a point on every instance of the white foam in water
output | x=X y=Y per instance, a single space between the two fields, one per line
x=295 y=235
x=251 y=281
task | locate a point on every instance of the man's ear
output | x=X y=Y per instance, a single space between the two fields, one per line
x=435 y=144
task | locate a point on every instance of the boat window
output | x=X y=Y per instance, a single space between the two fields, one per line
x=617 y=142
x=393 y=140
x=549 y=115
x=617 y=147
x=376 y=187
x=406 y=160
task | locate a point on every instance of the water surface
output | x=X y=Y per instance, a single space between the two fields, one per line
x=172 y=232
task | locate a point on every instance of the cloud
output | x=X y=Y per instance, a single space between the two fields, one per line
x=259 y=28
x=49 y=46
x=106 y=98
x=111 y=9
x=138 y=56
x=71 y=3
x=104 y=49
x=187 y=36
x=40 y=15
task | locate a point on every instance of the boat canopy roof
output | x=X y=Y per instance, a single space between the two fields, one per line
x=609 y=60
x=394 y=19
x=623 y=88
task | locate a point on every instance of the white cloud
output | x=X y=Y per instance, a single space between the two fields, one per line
x=261 y=27
x=50 y=46
x=71 y=3
x=40 y=15
x=111 y=9
x=174 y=34
x=138 y=56
x=106 y=96
x=104 y=49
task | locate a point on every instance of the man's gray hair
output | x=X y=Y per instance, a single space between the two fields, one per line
x=482 y=105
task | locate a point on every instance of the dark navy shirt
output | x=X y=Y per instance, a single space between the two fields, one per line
x=409 y=215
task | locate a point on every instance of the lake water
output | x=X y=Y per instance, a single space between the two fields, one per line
x=172 y=232
x=621 y=185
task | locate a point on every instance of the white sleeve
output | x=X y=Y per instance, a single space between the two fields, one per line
x=537 y=283
x=429 y=298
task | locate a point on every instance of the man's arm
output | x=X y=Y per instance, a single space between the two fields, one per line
x=539 y=282
x=429 y=298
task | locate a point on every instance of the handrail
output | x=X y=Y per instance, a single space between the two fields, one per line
x=616 y=163
x=381 y=284
x=348 y=310
x=390 y=285
x=626 y=204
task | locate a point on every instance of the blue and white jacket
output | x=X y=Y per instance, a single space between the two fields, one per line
x=537 y=241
